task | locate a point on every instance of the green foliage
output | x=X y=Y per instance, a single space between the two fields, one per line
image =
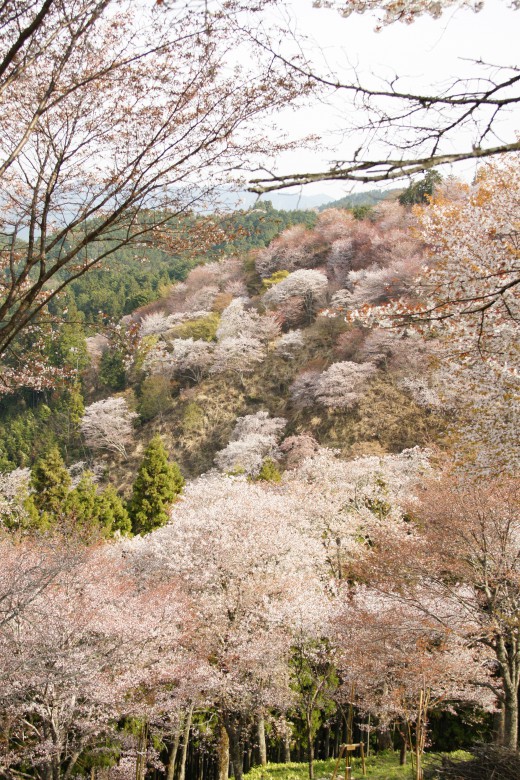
x=157 y=484
x=383 y=766
x=24 y=434
x=112 y=514
x=112 y=372
x=50 y=482
x=67 y=412
x=94 y=513
x=193 y=417
x=278 y=276
x=81 y=510
x=314 y=680
x=257 y=226
x=130 y=278
x=484 y=762
x=68 y=348
x=205 y=328
x=269 y=471
x=155 y=397
x=420 y=191
x=81 y=503
x=461 y=729
x=364 y=211
x=368 y=198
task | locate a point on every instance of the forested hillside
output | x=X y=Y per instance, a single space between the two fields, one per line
x=259 y=496
x=277 y=498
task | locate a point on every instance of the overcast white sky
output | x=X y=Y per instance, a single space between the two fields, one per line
x=427 y=52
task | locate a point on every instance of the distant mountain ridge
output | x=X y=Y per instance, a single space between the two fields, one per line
x=286 y=201
x=370 y=198
x=282 y=201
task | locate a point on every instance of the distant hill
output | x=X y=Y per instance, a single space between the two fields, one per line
x=370 y=198
x=283 y=201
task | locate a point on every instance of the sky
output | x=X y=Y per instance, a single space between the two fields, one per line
x=427 y=53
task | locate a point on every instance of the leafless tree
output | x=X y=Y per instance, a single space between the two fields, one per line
x=420 y=130
x=114 y=126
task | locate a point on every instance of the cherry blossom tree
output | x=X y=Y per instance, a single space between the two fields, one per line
x=296 y=449
x=237 y=355
x=303 y=389
x=14 y=489
x=376 y=285
x=310 y=285
x=467 y=297
x=254 y=438
x=189 y=358
x=294 y=249
x=289 y=343
x=250 y=572
x=341 y=384
x=83 y=647
x=239 y=321
x=405 y=12
x=108 y=425
x=28 y=569
x=155 y=323
x=458 y=565
x=236 y=320
x=399 y=665
x=345 y=502
x=91 y=160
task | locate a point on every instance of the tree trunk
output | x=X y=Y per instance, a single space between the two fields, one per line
x=384 y=739
x=72 y=764
x=511 y=719
x=310 y=753
x=170 y=770
x=262 y=748
x=499 y=723
x=185 y=743
x=326 y=743
x=223 y=754
x=142 y=750
x=232 y=724
x=287 y=748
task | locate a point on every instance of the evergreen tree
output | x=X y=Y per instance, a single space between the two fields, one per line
x=157 y=484
x=94 y=512
x=112 y=372
x=113 y=515
x=420 y=191
x=50 y=481
x=68 y=412
x=82 y=505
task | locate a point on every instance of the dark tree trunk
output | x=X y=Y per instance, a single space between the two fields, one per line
x=233 y=728
x=499 y=723
x=326 y=744
x=384 y=740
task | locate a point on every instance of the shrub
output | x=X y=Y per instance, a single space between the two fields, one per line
x=155 y=397
x=204 y=328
